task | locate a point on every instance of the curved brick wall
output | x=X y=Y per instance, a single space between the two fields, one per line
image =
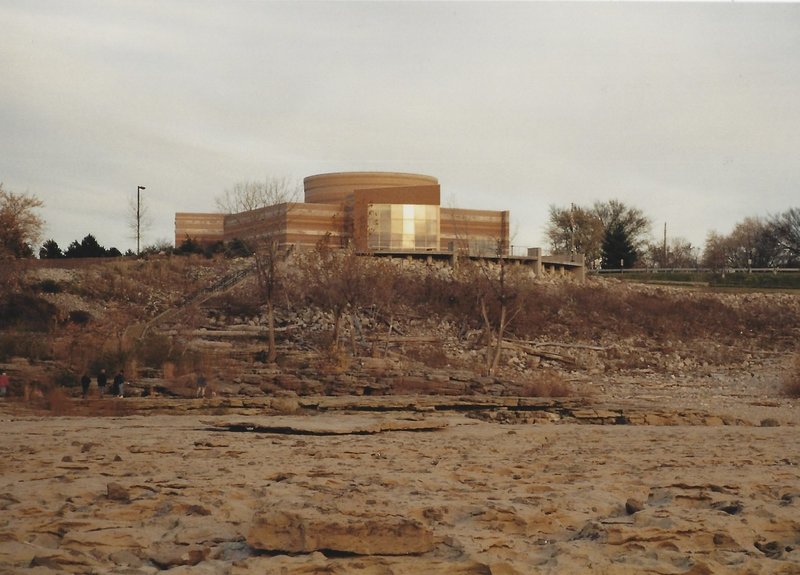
x=336 y=188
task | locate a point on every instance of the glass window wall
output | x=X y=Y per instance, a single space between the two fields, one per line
x=403 y=227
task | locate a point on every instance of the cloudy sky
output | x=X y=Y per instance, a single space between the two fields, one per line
x=688 y=111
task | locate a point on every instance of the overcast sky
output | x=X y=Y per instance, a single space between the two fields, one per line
x=688 y=111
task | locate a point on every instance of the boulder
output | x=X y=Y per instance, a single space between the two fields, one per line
x=117 y=492
x=316 y=529
x=633 y=506
x=166 y=555
x=285 y=405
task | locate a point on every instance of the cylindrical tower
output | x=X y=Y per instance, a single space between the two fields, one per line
x=338 y=187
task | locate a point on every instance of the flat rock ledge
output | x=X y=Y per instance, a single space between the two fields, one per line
x=316 y=529
x=329 y=424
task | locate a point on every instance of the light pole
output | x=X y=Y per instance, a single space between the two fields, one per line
x=138 y=216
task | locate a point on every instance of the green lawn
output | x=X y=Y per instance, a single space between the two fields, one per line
x=760 y=280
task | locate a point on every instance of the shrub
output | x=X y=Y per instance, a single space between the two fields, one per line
x=432 y=356
x=213 y=249
x=49 y=286
x=57 y=402
x=66 y=378
x=236 y=248
x=79 y=316
x=546 y=383
x=791 y=381
x=28 y=345
x=236 y=304
x=26 y=311
x=158 y=248
x=189 y=246
x=181 y=364
x=154 y=350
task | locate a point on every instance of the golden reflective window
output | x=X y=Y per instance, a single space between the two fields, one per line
x=403 y=227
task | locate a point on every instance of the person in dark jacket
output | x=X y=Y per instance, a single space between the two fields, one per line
x=119 y=381
x=102 y=381
x=85 y=381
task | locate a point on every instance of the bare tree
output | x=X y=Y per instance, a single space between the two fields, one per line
x=460 y=226
x=269 y=252
x=582 y=230
x=754 y=242
x=250 y=195
x=385 y=282
x=715 y=251
x=679 y=253
x=496 y=292
x=634 y=223
x=139 y=218
x=340 y=282
x=20 y=225
x=320 y=278
x=270 y=257
x=372 y=283
x=786 y=228
x=575 y=230
x=20 y=231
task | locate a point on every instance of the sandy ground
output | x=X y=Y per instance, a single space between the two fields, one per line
x=354 y=492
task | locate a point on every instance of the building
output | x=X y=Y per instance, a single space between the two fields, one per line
x=382 y=213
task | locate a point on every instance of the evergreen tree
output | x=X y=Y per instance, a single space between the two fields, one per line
x=617 y=248
x=189 y=246
x=50 y=250
x=88 y=248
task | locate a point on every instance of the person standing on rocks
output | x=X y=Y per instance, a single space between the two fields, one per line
x=85 y=382
x=102 y=381
x=3 y=384
x=201 y=385
x=119 y=382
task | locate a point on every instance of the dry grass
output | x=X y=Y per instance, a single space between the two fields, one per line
x=432 y=356
x=637 y=327
x=236 y=304
x=57 y=402
x=546 y=383
x=109 y=407
x=23 y=344
x=594 y=310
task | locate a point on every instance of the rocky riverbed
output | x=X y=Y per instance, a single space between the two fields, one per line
x=618 y=481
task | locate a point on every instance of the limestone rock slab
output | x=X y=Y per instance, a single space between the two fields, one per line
x=317 y=563
x=317 y=529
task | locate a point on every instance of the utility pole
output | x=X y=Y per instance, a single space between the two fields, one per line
x=138 y=216
x=664 y=263
x=572 y=228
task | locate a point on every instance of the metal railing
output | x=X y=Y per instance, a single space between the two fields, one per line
x=693 y=270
